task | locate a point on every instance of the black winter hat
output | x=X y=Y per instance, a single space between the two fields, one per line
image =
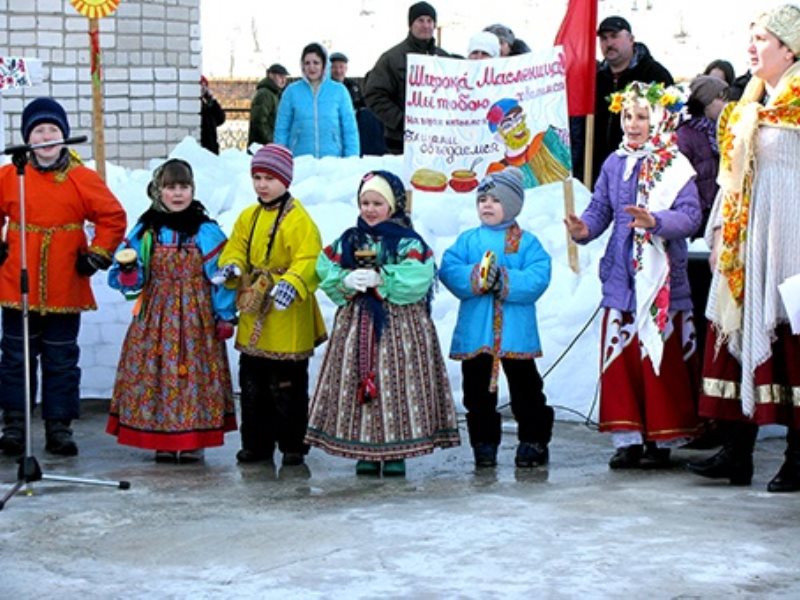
x=43 y=110
x=421 y=9
x=338 y=56
x=614 y=24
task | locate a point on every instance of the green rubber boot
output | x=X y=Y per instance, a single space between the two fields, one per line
x=368 y=467
x=394 y=468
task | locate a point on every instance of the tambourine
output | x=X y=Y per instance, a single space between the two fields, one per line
x=126 y=258
x=483 y=270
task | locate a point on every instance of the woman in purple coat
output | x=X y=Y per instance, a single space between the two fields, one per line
x=697 y=138
x=646 y=193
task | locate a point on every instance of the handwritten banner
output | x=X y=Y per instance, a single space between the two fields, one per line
x=466 y=118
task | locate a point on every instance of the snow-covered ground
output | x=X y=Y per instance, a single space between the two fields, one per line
x=327 y=187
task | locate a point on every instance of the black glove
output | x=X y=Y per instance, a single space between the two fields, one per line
x=3 y=251
x=90 y=263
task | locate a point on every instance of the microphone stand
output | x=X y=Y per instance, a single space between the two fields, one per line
x=29 y=470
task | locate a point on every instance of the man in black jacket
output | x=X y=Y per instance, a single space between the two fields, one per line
x=338 y=63
x=626 y=60
x=385 y=90
x=211 y=117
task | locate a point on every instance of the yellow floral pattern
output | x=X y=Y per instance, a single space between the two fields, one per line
x=783 y=111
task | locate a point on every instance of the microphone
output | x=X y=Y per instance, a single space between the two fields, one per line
x=71 y=141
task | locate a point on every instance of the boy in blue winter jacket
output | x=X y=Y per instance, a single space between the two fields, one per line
x=499 y=271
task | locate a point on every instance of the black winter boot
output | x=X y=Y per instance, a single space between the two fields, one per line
x=626 y=457
x=788 y=477
x=735 y=461
x=13 y=440
x=59 y=438
x=485 y=454
x=531 y=454
x=655 y=457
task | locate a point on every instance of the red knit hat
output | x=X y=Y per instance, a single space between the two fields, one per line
x=275 y=160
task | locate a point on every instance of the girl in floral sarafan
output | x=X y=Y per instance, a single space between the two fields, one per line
x=173 y=391
x=649 y=365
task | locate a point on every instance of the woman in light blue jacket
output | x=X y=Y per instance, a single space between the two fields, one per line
x=315 y=115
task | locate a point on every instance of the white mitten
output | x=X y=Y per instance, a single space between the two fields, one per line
x=372 y=278
x=283 y=295
x=358 y=280
x=225 y=273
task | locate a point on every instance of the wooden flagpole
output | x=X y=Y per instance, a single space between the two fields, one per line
x=98 y=114
x=588 y=145
x=94 y=10
x=569 y=209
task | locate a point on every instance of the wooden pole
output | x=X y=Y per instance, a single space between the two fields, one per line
x=588 y=147
x=98 y=137
x=569 y=209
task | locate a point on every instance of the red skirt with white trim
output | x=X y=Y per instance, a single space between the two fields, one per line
x=632 y=396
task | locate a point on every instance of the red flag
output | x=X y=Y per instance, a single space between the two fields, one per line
x=578 y=37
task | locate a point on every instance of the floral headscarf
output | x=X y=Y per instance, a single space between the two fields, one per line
x=663 y=173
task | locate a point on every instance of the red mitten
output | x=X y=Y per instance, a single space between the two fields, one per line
x=128 y=278
x=224 y=330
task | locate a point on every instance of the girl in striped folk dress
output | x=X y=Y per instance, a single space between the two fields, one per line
x=382 y=395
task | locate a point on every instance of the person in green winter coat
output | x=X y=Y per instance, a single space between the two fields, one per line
x=264 y=107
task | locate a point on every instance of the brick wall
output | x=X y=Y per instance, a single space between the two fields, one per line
x=151 y=57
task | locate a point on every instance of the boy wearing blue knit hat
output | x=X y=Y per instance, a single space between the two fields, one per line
x=61 y=194
x=499 y=271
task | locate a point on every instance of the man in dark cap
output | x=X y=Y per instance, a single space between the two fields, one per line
x=385 y=89
x=264 y=106
x=625 y=60
x=339 y=62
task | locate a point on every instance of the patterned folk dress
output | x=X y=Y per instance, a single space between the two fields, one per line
x=383 y=397
x=173 y=387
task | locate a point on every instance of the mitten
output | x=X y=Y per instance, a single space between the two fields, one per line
x=283 y=295
x=128 y=279
x=224 y=330
x=89 y=263
x=3 y=251
x=226 y=273
x=371 y=278
x=355 y=280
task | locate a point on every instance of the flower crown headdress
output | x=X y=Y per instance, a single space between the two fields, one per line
x=673 y=98
x=667 y=106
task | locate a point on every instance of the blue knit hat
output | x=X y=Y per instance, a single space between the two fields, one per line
x=43 y=110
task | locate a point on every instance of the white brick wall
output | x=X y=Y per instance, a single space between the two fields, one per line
x=150 y=59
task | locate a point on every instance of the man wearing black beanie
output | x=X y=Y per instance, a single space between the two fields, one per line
x=385 y=87
x=420 y=9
